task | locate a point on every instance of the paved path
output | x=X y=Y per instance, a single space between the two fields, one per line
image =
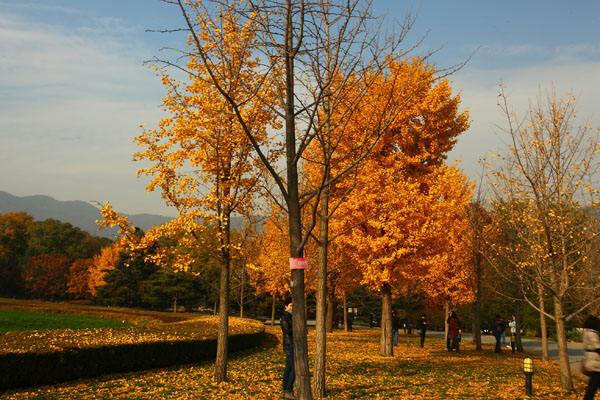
x=534 y=346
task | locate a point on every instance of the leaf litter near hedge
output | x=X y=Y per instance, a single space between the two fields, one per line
x=355 y=371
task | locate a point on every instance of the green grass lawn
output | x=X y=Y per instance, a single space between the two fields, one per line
x=18 y=320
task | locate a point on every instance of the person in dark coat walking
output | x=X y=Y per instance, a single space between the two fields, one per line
x=288 y=349
x=422 y=326
x=498 y=327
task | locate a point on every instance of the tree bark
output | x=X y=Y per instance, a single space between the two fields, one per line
x=345 y=312
x=223 y=333
x=295 y=218
x=330 y=312
x=273 y=310
x=320 y=328
x=446 y=314
x=242 y=284
x=477 y=304
x=175 y=305
x=543 y=328
x=386 y=344
x=561 y=339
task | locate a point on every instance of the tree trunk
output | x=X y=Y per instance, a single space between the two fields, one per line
x=175 y=305
x=295 y=217
x=561 y=339
x=320 y=328
x=543 y=328
x=477 y=304
x=386 y=344
x=273 y=311
x=223 y=334
x=242 y=290
x=345 y=312
x=215 y=309
x=446 y=314
x=330 y=312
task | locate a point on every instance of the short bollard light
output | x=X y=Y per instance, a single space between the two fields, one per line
x=528 y=370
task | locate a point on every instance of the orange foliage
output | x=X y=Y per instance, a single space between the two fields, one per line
x=101 y=265
x=45 y=275
x=78 y=279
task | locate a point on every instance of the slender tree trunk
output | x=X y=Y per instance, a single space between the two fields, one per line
x=175 y=305
x=215 y=307
x=345 y=312
x=330 y=311
x=242 y=290
x=446 y=314
x=295 y=218
x=223 y=333
x=477 y=304
x=386 y=344
x=273 y=310
x=543 y=328
x=561 y=339
x=320 y=328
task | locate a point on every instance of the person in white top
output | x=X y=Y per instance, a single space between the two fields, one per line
x=591 y=358
x=513 y=332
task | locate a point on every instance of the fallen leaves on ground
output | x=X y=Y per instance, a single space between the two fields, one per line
x=355 y=371
x=201 y=327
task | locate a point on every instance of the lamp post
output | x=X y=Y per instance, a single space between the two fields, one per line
x=528 y=370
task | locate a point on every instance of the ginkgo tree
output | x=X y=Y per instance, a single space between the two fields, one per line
x=289 y=43
x=200 y=157
x=545 y=187
x=389 y=213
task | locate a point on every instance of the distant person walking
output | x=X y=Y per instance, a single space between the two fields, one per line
x=288 y=349
x=454 y=331
x=395 y=327
x=591 y=358
x=512 y=326
x=350 y=321
x=498 y=330
x=422 y=326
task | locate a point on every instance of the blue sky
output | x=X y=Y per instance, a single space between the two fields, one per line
x=74 y=90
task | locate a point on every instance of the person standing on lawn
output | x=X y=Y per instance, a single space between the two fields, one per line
x=288 y=349
x=512 y=325
x=591 y=358
x=395 y=327
x=454 y=331
x=498 y=330
x=422 y=326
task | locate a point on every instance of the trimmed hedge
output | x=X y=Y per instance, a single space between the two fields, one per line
x=32 y=369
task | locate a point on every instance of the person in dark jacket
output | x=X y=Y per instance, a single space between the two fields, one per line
x=498 y=327
x=422 y=326
x=395 y=327
x=288 y=349
x=454 y=331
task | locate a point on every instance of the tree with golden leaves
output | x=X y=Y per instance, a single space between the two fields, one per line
x=389 y=213
x=101 y=265
x=200 y=158
x=292 y=36
x=550 y=171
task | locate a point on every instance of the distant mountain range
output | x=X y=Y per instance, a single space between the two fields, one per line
x=78 y=213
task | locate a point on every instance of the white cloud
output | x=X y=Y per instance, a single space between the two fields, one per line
x=479 y=94
x=70 y=104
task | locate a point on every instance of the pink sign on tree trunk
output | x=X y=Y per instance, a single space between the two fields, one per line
x=298 y=263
